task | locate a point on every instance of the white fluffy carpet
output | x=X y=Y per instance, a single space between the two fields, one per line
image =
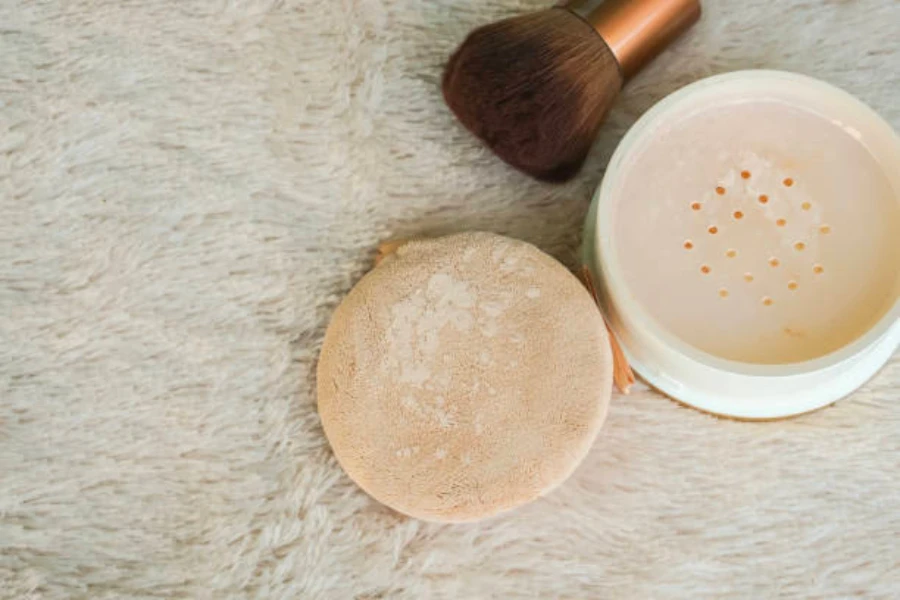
x=188 y=188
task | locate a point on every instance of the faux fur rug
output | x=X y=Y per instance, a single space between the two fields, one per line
x=187 y=190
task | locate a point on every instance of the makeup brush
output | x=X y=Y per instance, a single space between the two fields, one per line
x=535 y=88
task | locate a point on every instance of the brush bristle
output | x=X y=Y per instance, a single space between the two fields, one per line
x=535 y=89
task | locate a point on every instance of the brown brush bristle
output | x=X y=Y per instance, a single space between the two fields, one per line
x=535 y=89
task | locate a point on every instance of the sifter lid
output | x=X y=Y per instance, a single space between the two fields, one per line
x=743 y=243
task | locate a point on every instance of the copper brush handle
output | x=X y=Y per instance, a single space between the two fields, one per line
x=636 y=30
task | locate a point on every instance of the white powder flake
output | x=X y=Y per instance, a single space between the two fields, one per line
x=443 y=379
x=490 y=329
x=492 y=309
x=509 y=264
x=407 y=452
x=444 y=419
x=417 y=322
x=489 y=313
x=436 y=414
x=499 y=251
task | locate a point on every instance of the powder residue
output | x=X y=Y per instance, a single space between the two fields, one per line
x=417 y=323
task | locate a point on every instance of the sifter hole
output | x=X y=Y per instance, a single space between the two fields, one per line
x=763 y=199
x=738 y=215
x=731 y=253
x=767 y=301
x=799 y=246
x=720 y=190
x=748 y=277
x=745 y=174
x=793 y=285
x=713 y=230
x=806 y=206
x=774 y=261
x=788 y=182
x=723 y=293
x=818 y=269
x=825 y=229
x=688 y=244
x=696 y=206
x=781 y=222
x=705 y=269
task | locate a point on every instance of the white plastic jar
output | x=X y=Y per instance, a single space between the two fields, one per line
x=744 y=244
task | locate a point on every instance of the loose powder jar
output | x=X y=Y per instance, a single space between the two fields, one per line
x=464 y=376
x=745 y=241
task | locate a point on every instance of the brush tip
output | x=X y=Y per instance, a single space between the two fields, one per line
x=534 y=89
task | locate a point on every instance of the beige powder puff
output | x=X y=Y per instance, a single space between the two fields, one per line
x=464 y=376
